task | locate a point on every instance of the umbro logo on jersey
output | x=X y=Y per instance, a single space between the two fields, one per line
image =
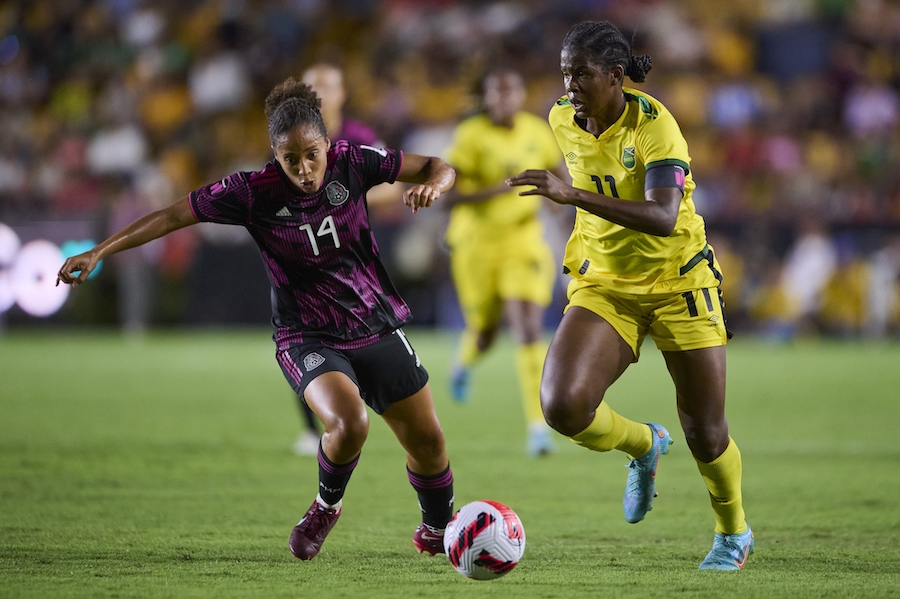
x=312 y=361
x=571 y=156
x=284 y=212
x=714 y=319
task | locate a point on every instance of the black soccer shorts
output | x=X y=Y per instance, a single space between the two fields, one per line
x=385 y=372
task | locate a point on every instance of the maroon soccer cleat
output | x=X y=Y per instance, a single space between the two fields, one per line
x=428 y=539
x=309 y=534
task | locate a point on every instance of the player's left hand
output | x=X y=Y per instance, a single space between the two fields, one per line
x=420 y=195
x=545 y=184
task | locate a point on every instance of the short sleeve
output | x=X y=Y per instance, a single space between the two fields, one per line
x=378 y=165
x=227 y=201
x=660 y=142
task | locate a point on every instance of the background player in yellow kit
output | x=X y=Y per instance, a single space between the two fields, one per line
x=500 y=261
x=641 y=265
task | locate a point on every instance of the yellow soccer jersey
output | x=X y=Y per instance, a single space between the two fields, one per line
x=614 y=164
x=484 y=155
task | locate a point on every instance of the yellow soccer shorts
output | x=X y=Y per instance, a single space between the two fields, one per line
x=513 y=265
x=676 y=321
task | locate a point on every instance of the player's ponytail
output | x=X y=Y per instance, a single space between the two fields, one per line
x=290 y=104
x=638 y=67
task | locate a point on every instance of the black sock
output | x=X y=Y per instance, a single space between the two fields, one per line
x=333 y=478
x=435 y=496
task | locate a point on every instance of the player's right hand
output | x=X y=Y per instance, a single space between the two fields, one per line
x=83 y=264
x=545 y=184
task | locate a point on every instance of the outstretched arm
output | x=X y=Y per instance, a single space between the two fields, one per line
x=656 y=215
x=147 y=228
x=431 y=176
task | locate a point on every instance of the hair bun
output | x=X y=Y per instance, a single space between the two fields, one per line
x=639 y=67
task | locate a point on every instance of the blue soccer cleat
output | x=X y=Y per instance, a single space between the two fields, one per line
x=641 y=486
x=459 y=383
x=729 y=552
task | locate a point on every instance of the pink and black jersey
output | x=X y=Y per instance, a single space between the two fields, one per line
x=328 y=283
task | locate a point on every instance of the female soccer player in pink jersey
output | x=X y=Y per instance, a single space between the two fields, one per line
x=335 y=313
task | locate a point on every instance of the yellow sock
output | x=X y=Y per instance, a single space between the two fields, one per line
x=529 y=365
x=468 y=351
x=723 y=480
x=611 y=431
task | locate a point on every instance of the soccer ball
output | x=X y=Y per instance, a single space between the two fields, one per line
x=485 y=540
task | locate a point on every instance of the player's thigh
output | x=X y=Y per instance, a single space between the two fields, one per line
x=586 y=356
x=699 y=377
x=625 y=313
x=326 y=381
x=334 y=397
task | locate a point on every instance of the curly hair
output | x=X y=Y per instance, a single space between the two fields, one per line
x=292 y=103
x=605 y=46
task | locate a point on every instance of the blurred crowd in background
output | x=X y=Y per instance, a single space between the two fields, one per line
x=791 y=109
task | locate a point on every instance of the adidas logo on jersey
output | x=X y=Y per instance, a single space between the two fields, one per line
x=284 y=212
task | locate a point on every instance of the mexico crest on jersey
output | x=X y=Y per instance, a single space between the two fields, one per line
x=312 y=361
x=628 y=157
x=336 y=193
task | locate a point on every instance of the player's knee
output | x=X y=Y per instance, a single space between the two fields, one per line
x=707 y=440
x=428 y=447
x=349 y=432
x=565 y=409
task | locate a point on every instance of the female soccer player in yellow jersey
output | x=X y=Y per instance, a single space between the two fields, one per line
x=499 y=259
x=640 y=264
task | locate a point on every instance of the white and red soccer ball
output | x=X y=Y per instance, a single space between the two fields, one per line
x=485 y=540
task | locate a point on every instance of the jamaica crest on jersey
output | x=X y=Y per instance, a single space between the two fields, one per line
x=336 y=193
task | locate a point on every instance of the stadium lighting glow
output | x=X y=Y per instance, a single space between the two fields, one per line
x=28 y=272
x=9 y=247
x=33 y=278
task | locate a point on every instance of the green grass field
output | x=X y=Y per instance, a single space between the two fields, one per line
x=163 y=468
